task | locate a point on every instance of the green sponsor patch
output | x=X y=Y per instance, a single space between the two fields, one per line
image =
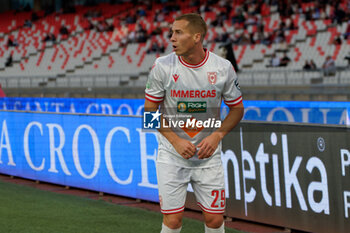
x=191 y=107
x=148 y=84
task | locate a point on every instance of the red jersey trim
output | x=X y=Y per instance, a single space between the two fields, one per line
x=153 y=99
x=234 y=102
x=211 y=211
x=195 y=65
x=173 y=211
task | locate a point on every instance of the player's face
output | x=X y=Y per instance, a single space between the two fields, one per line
x=182 y=39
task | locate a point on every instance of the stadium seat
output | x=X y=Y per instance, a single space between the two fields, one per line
x=86 y=52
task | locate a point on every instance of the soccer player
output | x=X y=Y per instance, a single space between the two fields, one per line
x=191 y=82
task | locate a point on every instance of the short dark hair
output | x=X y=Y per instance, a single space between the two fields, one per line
x=195 y=22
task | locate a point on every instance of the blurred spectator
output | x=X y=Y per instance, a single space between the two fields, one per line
x=9 y=42
x=159 y=16
x=282 y=26
x=27 y=23
x=284 y=8
x=49 y=9
x=9 y=61
x=292 y=25
x=49 y=37
x=101 y=26
x=308 y=14
x=280 y=37
x=123 y=42
x=242 y=39
x=170 y=33
x=132 y=37
x=46 y=38
x=12 y=42
x=156 y=48
x=347 y=31
x=329 y=66
x=15 y=42
x=268 y=38
x=130 y=19
x=35 y=17
x=275 y=61
x=104 y=26
x=313 y=65
x=68 y=9
x=90 y=26
x=156 y=31
x=252 y=37
x=309 y=65
x=110 y=27
x=226 y=51
x=238 y=17
x=93 y=14
x=285 y=60
x=64 y=30
x=251 y=20
x=219 y=20
x=204 y=8
x=27 y=8
x=347 y=57
x=141 y=35
x=194 y=3
x=53 y=37
x=260 y=30
x=316 y=14
x=141 y=12
x=337 y=40
x=222 y=37
x=338 y=14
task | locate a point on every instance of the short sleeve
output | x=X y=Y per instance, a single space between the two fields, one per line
x=155 y=87
x=232 y=92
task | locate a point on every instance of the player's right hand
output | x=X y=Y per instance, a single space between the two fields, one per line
x=185 y=148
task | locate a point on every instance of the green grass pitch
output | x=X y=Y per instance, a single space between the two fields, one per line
x=29 y=210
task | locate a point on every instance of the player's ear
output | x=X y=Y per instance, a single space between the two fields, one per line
x=197 y=37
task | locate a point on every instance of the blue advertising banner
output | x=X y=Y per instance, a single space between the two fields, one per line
x=102 y=153
x=74 y=105
x=271 y=111
x=275 y=173
x=298 y=111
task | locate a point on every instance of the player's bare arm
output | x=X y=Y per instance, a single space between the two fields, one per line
x=209 y=144
x=184 y=147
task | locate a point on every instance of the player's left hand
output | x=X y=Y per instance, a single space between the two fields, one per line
x=208 y=145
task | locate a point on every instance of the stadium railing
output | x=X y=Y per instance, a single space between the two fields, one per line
x=282 y=77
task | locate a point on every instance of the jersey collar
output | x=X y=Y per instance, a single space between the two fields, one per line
x=195 y=65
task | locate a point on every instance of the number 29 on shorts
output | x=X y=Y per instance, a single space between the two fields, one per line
x=219 y=198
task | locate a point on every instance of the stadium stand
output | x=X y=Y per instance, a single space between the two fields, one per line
x=124 y=39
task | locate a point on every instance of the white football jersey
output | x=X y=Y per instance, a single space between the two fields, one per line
x=189 y=94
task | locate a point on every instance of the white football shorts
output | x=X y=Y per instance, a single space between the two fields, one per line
x=208 y=185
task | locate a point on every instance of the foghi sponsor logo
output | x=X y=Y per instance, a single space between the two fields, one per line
x=192 y=107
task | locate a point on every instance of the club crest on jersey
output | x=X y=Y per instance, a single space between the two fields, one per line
x=212 y=77
x=175 y=76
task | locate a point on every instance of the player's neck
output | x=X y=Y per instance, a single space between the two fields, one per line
x=195 y=57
